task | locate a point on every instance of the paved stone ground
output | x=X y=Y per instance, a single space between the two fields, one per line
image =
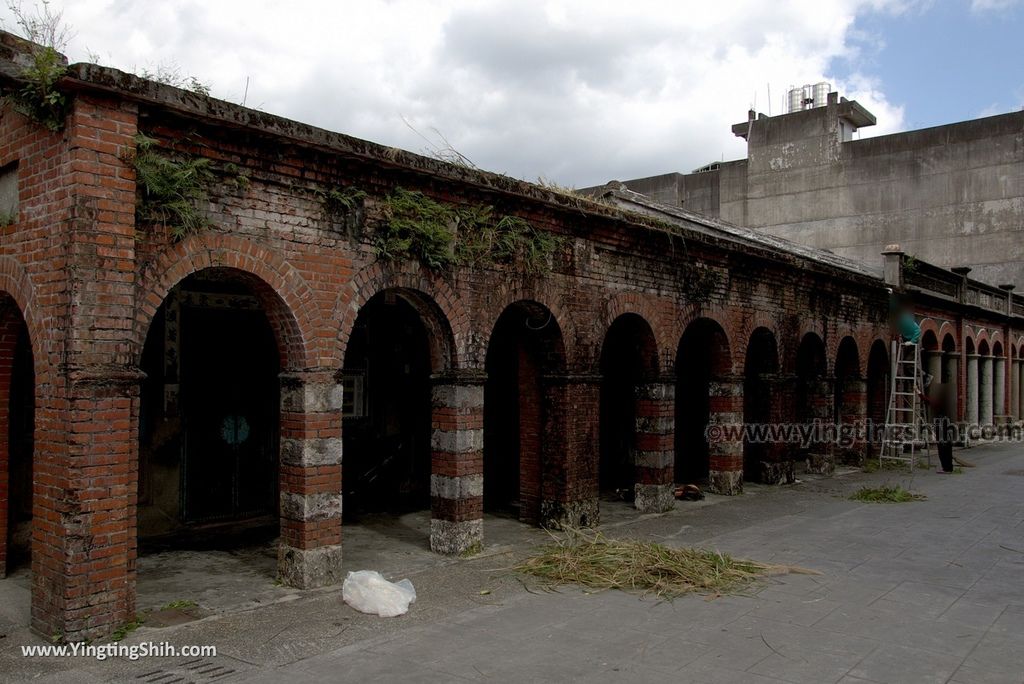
x=931 y=591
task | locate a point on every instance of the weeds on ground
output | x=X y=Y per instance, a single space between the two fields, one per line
x=592 y=560
x=886 y=494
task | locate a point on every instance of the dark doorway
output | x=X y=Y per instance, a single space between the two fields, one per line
x=878 y=390
x=628 y=358
x=387 y=423
x=761 y=391
x=702 y=357
x=21 y=422
x=526 y=343
x=210 y=409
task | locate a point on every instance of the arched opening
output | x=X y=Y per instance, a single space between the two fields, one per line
x=998 y=383
x=17 y=423
x=986 y=407
x=629 y=357
x=813 y=401
x=931 y=356
x=849 y=401
x=972 y=410
x=878 y=392
x=389 y=360
x=702 y=358
x=525 y=346
x=763 y=393
x=209 y=434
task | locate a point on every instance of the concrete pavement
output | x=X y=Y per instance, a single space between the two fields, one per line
x=930 y=591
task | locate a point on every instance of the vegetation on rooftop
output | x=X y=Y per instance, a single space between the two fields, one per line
x=442 y=236
x=170 y=188
x=38 y=98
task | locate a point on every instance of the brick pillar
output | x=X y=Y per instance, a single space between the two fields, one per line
x=570 y=450
x=84 y=505
x=309 y=554
x=852 y=419
x=457 y=465
x=820 y=452
x=725 y=435
x=776 y=457
x=8 y=342
x=654 y=458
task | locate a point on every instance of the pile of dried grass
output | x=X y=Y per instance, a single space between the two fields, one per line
x=592 y=560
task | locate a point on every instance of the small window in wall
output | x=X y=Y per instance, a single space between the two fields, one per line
x=9 y=194
x=353 y=403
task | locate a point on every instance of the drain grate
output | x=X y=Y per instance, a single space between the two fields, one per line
x=191 y=672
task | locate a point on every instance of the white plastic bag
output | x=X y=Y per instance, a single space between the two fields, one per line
x=368 y=592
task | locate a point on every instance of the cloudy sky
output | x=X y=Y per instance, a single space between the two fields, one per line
x=577 y=92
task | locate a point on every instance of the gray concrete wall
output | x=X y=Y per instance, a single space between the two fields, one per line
x=951 y=195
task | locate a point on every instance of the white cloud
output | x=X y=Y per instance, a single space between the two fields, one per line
x=577 y=91
x=990 y=5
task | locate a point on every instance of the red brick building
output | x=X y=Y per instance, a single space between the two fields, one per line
x=153 y=381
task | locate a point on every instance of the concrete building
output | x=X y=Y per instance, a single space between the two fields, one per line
x=950 y=195
x=202 y=307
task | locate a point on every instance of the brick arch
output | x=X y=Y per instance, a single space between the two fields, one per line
x=979 y=339
x=746 y=330
x=649 y=356
x=635 y=303
x=16 y=283
x=1020 y=346
x=928 y=325
x=848 y=343
x=566 y=325
x=723 y=357
x=946 y=328
x=439 y=308
x=835 y=340
x=996 y=338
x=288 y=301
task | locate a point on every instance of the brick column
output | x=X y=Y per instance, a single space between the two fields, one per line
x=309 y=554
x=569 y=455
x=655 y=442
x=725 y=435
x=457 y=462
x=84 y=504
x=820 y=453
x=852 y=419
x=777 y=466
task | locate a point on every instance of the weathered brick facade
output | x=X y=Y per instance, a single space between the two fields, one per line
x=88 y=281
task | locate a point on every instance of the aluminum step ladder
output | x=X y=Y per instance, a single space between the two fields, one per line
x=907 y=429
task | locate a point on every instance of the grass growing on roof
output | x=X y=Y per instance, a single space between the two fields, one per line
x=886 y=494
x=592 y=560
